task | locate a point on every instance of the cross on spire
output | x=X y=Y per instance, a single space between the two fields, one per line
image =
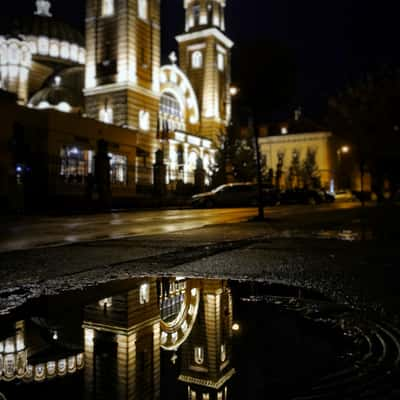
x=43 y=8
x=173 y=58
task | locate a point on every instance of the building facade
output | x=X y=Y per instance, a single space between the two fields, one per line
x=113 y=75
x=289 y=152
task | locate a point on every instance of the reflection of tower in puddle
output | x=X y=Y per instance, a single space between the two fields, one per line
x=13 y=354
x=206 y=355
x=122 y=345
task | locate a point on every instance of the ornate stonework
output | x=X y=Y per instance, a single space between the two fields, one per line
x=43 y=8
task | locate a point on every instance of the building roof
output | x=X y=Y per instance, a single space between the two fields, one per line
x=37 y=25
x=67 y=89
x=293 y=126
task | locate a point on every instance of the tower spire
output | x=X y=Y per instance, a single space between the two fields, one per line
x=202 y=14
x=43 y=8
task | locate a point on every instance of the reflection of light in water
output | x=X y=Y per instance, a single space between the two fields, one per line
x=71 y=238
x=347 y=235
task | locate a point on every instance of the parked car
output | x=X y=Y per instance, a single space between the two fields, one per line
x=329 y=197
x=345 y=195
x=303 y=196
x=234 y=195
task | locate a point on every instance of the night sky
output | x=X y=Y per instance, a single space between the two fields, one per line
x=300 y=52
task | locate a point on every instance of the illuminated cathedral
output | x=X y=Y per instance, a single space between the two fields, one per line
x=114 y=76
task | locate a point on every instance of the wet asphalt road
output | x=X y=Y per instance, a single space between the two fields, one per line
x=34 y=232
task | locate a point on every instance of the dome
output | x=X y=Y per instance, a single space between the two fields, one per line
x=50 y=40
x=63 y=91
x=37 y=25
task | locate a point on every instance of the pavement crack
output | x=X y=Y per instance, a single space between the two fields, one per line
x=190 y=253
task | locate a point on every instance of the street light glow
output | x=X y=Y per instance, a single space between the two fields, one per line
x=345 y=149
x=234 y=91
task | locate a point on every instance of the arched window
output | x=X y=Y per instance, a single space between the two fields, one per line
x=170 y=107
x=196 y=14
x=197 y=59
x=106 y=115
x=144 y=120
x=192 y=161
x=221 y=62
x=143 y=9
x=199 y=355
x=108 y=8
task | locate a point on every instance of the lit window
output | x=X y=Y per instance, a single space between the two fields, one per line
x=170 y=107
x=105 y=303
x=51 y=368
x=144 y=120
x=9 y=365
x=199 y=355
x=219 y=396
x=108 y=8
x=284 y=130
x=62 y=364
x=118 y=169
x=76 y=164
x=143 y=9
x=43 y=45
x=197 y=59
x=206 y=396
x=64 y=50
x=144 y=293
x=54 y=49
x=106 y=115
x=196 y=14
x=192 y=395
x=64 y=107
x=74 y=53
x=20 y=343
x=223 y=352
x=221 y=62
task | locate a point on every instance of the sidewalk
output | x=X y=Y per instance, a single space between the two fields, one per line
x=361 y=273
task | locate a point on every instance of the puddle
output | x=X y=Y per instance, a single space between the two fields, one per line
x=180 y=338
x=345 y=235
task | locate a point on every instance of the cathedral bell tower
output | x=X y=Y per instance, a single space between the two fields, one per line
x=207 y=354
x=205 y=57
x=123 y=65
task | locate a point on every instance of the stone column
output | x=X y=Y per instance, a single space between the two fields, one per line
x=160 y=174
x=199 y=177
x=102 y=175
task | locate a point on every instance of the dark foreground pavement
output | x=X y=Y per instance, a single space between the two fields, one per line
x=350 y=255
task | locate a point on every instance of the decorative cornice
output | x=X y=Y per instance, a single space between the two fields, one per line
x=113 y=87
x=120 y=330
x=204 y=34
x=295 y=137
x=207 y=383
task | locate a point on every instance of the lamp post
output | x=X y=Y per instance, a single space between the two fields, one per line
x=256 y=136
x=234 y=92
x=343 y=150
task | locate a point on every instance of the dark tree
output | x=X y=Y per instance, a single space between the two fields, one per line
x=234 y=160
x=294 y=175
x=366 y=116
x=279 y=171
x=310 y=171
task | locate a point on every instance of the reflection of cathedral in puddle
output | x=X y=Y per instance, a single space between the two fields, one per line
x=206 y=364
x=124 y=333
x=127 y=337
x=122 y=345
x=29 y=355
